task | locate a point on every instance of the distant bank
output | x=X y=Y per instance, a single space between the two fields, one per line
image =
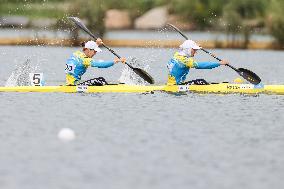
x=132 y=38
x=144 y=43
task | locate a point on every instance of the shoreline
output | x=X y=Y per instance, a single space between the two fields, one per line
x=141 y=43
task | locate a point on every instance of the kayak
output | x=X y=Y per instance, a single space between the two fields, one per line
x=217 y=88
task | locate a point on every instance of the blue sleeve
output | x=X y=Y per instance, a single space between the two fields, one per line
x=102 y=64
x=207 y=65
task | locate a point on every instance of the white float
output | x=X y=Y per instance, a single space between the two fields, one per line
x=66 y=134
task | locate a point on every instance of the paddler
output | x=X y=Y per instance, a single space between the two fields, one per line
x=183 y=60
x=78 y=63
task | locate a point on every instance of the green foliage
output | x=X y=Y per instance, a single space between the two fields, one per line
x=30 y=1
x=242 y=15
x=200 y=12
x=275 y=21
x=248 y=9
x=25 y=8
x=93 y=11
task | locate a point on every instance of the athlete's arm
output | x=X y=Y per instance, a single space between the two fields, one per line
x=102 y=64
x=206 y=65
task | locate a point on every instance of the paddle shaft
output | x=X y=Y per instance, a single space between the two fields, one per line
x=95 y=37
x=114 y=53
x=138 y=71
x=214 y=56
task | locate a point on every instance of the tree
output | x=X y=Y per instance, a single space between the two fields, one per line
x=93 y=11
x=200 y=12
x=275 y=21
x=242 y=16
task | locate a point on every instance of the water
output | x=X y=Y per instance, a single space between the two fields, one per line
x=142 y=140
x=33 y=33
x=165 y=34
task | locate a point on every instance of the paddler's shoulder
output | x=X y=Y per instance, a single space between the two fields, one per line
x=179 y=56
x=79 y=54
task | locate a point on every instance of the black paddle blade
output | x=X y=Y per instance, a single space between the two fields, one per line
x=144 y=75
x=249 y=76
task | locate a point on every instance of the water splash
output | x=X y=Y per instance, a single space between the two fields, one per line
x=129 y=77
x=20 y=76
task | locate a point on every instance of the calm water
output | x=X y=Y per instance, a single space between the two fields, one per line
x=142 y=141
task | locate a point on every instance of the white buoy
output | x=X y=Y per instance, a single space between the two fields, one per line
x=66 y=134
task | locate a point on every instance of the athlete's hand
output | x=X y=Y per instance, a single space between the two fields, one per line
x=123 y=60
x=224 y=62
x=116 y=60
x=99 y=41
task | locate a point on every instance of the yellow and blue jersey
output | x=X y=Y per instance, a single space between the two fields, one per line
x=179 y=66
x=77 y=65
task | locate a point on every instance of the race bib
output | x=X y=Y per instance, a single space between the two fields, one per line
x=170 y=66
x=70 y=68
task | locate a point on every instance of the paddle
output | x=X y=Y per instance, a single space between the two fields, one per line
x=245 y=73
x=143 y=74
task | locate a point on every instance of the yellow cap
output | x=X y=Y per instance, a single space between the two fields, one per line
x=238 y=80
